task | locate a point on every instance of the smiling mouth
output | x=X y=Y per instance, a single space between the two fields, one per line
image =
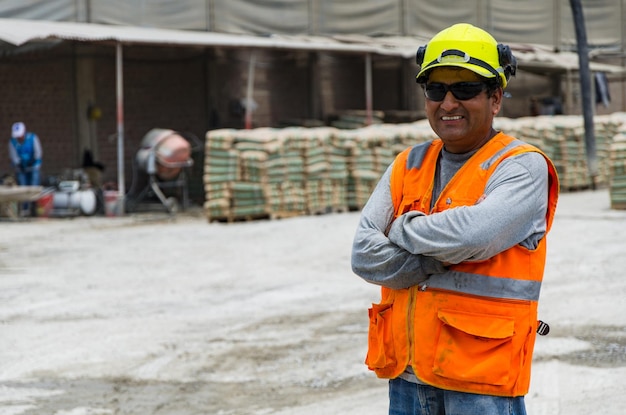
x=451 y=118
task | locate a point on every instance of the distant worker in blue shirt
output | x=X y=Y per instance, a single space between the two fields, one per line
x=25 y=153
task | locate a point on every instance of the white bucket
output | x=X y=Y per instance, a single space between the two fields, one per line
x=110 y=202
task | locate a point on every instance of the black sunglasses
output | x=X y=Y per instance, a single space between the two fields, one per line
x=436 y=91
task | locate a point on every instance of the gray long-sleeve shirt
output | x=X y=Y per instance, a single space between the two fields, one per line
x=512 y=212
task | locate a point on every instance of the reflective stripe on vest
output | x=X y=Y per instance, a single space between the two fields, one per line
x=485 y=285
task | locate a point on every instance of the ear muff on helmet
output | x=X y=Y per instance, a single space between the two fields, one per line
x=505 y=58
x=419 y=57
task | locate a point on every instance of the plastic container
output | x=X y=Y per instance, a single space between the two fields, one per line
x=111 y=203
x=45 y=204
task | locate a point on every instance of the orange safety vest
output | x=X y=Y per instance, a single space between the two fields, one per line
x=470 y=329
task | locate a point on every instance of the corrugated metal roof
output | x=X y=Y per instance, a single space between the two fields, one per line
x=19 y=32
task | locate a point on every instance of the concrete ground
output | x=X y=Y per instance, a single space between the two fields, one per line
x=145 y=315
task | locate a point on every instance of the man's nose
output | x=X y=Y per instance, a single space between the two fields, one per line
x=449 y=101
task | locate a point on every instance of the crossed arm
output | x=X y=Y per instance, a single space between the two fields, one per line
x=417 y=245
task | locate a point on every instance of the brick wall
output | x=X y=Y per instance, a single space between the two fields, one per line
x=37 y=88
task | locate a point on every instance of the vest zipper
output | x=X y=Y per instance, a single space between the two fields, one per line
x=410 y=319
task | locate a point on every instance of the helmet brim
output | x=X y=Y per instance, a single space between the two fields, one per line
x=422 y=76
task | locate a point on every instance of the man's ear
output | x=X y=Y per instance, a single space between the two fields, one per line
x=496 y=105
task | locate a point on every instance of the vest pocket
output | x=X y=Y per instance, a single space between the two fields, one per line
x=408 y=204
x=380 y=351
x=474 y=347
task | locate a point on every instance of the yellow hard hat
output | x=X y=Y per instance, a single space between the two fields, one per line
x=466 y=46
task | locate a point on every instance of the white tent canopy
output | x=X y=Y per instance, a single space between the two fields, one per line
x=19 y=32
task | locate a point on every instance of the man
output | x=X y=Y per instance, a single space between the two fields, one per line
x=455 y=233
x=25 y=154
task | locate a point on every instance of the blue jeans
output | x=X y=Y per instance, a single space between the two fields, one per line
x=28 y=177
x=406 y=398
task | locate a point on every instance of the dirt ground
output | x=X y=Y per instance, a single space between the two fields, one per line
x=146 y=315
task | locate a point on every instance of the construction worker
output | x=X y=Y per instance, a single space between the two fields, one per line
x=25 y=154
x=455 y=233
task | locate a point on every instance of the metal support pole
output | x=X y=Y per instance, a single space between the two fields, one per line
x=585 y=89
x=368 y=88
x=120 y=130
x=250 y=89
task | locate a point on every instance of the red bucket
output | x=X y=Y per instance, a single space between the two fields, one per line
x=45 y=204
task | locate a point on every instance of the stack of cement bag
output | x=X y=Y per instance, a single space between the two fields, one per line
x=271 y=172
x=617 y=167
x=562 y=138
x=325 y=170
x=286 y=173
x=363 y=174
x=566 y=147
x=278 y=173
x=617 y=185
x=221 y=172
x=371 y=150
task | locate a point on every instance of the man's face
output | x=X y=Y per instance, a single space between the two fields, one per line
x=463 y=125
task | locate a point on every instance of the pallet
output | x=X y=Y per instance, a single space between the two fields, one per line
x=237 y=218
x=276 y=215
x=286 y=214
x=328 y=209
